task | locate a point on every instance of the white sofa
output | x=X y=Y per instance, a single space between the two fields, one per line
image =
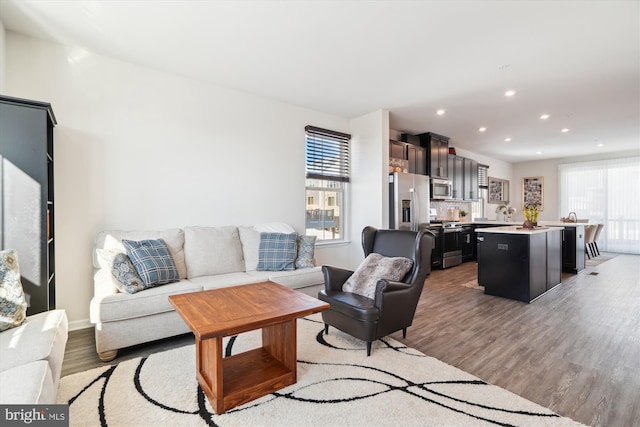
x=31 y=358
x=205 y=257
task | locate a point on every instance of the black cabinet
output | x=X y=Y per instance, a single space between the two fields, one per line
x=468 y=243
x=470 y=179
x=456 y=176
x=414 y=154
x=26 y=196
x=436 y=252
x=519 y=266
x=573 y=249
x=437 y=147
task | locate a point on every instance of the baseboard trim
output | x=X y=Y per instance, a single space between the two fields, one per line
x=80 y=324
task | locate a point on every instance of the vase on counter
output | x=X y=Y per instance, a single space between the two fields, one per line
x=528 y=224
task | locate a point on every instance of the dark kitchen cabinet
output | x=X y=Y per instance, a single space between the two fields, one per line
x=456 y=175
x=519 y=266
x=470 y=179
x=468 y=243
x=414 y=154
x=437 y=147
x=26 y=196
x=573 y=249
x=436 y=252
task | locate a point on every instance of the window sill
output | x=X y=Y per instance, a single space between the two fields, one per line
x=331 y=244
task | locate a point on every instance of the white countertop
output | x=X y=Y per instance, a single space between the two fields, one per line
x=516 y=229
x=561 y=224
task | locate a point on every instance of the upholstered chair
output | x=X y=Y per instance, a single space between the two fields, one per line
x=394 y=303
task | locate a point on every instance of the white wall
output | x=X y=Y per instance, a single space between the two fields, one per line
x=548 y=169
x=2 y=55
x=141 y=149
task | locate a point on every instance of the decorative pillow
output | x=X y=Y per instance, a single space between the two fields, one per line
x=376 y=267
x=13 y=306
x=306 y=249
x=152 y=261
x=277 y=252
x=122 y=269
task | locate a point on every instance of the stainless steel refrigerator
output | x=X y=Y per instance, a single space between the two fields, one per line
x=408 y=201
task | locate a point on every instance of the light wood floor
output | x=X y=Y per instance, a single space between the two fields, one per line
x=576 y=350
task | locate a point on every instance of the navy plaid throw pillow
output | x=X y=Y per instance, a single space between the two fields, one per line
x=277 y=252
x=152 y=261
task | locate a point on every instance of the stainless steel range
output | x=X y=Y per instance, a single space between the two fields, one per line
x=451 y=244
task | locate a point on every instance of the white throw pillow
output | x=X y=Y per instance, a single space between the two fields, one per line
x=376 y=267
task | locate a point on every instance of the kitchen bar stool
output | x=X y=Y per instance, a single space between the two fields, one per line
x=596 y=237
x=589 y=236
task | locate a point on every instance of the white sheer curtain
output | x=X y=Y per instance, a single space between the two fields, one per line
x=607 y=192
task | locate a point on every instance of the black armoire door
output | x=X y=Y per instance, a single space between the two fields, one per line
x=26 y=195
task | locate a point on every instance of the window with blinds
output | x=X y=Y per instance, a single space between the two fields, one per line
x=327 y=173
x=327 y=154
x=483 y=176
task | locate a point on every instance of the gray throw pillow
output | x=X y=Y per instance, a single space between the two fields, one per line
x=376 y=267
x=125 y=274
x=277 y=252
x=13 y=305
x=306 y=250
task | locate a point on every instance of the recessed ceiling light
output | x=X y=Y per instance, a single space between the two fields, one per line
x=565 y=130
x=538 y=152
x=507 y=140
x=440 y=112
x=600 y=145
x=510 y=92
x=544 y=116
x=482 y=129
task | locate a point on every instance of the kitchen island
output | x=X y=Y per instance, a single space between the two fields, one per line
x=519 y=263
x=573 y=249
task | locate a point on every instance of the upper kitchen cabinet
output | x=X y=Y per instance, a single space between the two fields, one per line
x=470 y=179
x=456 y=175
x=437 y=154
x=414 y=154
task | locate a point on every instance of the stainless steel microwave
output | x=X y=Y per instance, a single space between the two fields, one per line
x=441 y=189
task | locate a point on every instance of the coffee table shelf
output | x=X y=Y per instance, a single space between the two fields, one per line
x=252 y=374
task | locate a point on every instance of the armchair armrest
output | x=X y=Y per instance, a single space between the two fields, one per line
x=388 y=286
x=335 y=277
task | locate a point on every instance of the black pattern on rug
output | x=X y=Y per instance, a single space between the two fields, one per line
x=407 y=386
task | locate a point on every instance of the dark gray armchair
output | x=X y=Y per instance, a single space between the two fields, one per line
x=395 y=303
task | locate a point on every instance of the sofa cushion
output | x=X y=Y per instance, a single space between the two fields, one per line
x=277 y=252
x=173 y=237
x=30 y=383
x=250 y=239
x=374 y=268
x=120 y=306
x=152 y=261
x=306 y=251
x=42 y=336
x=294 y=279
x=13 y=306
x=123 y=271
x=228 y=279
x=212 y=250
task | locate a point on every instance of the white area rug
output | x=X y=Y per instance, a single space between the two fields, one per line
x=338 y=385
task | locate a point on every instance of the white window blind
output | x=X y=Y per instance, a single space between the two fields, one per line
x=327 y=154
x=606 y=192
x=483 y=176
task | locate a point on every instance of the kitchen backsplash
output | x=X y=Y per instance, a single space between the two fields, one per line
x=443 y=206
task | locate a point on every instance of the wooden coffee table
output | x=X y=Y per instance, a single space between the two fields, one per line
x=217 y=313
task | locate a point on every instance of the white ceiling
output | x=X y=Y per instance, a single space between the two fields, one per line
x=578 y=61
